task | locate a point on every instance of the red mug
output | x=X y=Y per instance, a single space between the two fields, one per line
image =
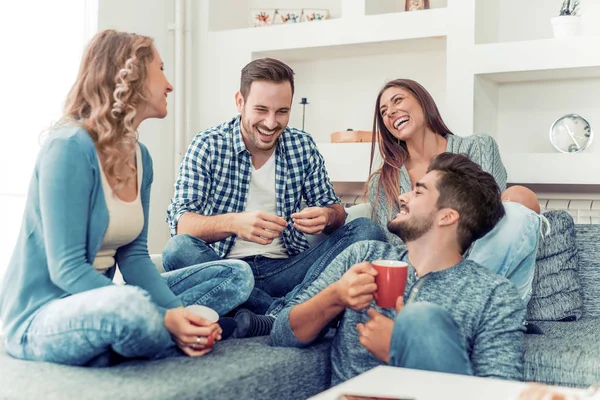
x=390 y=281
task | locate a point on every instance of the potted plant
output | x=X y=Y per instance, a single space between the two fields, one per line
x=568 y=22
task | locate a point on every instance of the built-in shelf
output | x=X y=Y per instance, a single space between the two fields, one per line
x=238 y=14
x=349 y=162
x=374 y=29
x=553 y=168
x=547 y=59
x=395 y=6
x=491 y=66
x=518 y=113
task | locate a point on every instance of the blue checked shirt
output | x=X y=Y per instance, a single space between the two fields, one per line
x=214 y=178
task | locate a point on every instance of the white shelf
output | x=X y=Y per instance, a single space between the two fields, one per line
x=349 y=162
x=547 y=59
x=373 y=29
x=549 y=168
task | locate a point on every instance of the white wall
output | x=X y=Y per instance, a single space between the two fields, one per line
x=33 y=102
x=513 y=20
x=340 y=101
x=151 y=17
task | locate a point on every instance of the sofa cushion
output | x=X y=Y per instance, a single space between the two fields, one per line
x=556 y=291
x=235 y=369
x=588 y=245
x=566 y=354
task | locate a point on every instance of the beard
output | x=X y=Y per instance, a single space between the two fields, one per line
x=253 y=135
x=412 y=229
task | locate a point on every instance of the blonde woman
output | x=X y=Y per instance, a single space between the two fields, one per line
x=87 y=211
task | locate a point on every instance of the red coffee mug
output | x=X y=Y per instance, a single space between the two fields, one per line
x=390 y=281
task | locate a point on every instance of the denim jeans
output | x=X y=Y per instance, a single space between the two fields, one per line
x=103 y=326
x=277 y=281
x=510 y=248
x=426 y=337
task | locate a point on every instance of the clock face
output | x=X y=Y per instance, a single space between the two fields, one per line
x=571 y=134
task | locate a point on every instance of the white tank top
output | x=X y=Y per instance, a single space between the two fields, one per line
x=261 y=197
x=125 y=220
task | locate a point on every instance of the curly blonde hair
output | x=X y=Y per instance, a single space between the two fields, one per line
x=111 y=83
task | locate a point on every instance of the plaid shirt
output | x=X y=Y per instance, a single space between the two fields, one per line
x=214 y=178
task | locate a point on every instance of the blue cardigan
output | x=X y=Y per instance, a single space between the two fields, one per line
x=63 y=228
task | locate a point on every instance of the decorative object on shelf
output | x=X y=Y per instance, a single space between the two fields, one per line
x=304 y=102
x=262 y=17
x=415 y=5
x=351 y=136
x=289 y=16
x=568 y=23
x=315 y=14
x=571 y=133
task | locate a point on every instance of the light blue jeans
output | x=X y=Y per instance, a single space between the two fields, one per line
x=510 y=248
x=426 y=337
x=276 y=281
x=104 y=326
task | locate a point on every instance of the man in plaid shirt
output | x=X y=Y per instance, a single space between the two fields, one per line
x=240 y=192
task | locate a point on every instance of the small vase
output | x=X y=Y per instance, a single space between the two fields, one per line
x=566 y=26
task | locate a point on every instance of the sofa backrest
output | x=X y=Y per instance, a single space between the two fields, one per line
x=587 y=238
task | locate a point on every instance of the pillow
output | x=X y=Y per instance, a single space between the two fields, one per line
x=556 y=292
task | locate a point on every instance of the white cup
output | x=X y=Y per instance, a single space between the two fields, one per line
x=208 y=314
x=205 y=312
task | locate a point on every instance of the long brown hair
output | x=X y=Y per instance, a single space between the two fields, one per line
x=111 y=83
x=394 y=151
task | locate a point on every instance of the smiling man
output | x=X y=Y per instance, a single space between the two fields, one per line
x=454 y=317
x=240 y=193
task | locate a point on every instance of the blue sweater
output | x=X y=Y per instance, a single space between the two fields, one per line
x=486 y=307
x=63 y=228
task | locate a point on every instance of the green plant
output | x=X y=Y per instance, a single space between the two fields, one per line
x=569 y=8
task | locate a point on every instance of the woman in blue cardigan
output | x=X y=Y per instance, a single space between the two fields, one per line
x=87 y=211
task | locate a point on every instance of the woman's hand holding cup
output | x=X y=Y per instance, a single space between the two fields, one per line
x=194 y=329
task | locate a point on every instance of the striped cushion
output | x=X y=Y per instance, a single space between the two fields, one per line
x=556 y=290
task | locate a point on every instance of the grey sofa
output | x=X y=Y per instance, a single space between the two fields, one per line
x=568 y=353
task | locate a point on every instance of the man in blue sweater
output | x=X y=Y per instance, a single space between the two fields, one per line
x=455 y=316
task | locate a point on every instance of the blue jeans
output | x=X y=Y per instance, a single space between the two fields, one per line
x=426 y=337
x=104 y=326
x=510 y=248
x=277 y=281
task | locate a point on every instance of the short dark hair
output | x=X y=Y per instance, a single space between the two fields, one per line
x=265 y=69
x=474 y=193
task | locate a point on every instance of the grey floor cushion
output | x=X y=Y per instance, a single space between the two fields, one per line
x=566 y=354
x=235 y=369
